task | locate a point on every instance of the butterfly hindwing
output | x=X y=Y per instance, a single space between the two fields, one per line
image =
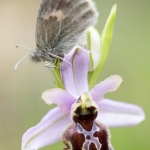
x=61 y=24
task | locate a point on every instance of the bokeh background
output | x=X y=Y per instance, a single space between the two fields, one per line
x=21 y=106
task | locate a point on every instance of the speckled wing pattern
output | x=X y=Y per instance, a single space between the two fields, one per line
x=61 y=23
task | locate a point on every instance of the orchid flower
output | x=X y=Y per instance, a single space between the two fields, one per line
x=75 y=80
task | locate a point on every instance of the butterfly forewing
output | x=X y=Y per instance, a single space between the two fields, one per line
x=60 y=26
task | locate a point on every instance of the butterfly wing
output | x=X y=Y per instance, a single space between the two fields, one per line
x=61 y=23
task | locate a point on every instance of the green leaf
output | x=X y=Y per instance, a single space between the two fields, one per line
x=106 y=38
x=57 y=74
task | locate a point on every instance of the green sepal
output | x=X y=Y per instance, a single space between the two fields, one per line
x=57 y=74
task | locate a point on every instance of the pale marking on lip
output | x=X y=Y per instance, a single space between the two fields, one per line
x=93 y=139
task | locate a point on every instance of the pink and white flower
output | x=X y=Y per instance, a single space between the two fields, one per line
x=112 y=113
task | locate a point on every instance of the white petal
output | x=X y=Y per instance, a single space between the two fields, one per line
x=46 y=132
x=75 y=76
x=60 y=97
x=118 y=114
x=110 y=84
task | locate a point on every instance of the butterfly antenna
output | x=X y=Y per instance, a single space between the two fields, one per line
x=60 y=58
x=15 y=68
x=23 y=46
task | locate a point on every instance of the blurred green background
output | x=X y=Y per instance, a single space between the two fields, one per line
x=21 y=106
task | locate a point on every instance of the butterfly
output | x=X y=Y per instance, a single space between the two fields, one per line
x=60 y=25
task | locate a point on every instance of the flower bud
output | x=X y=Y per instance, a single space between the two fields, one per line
x=93 y=44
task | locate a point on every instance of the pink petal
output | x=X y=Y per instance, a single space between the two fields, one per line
x=60 y=97
x=48 y=131
x=75 y=76
x=118 y=114
x=110 y=84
